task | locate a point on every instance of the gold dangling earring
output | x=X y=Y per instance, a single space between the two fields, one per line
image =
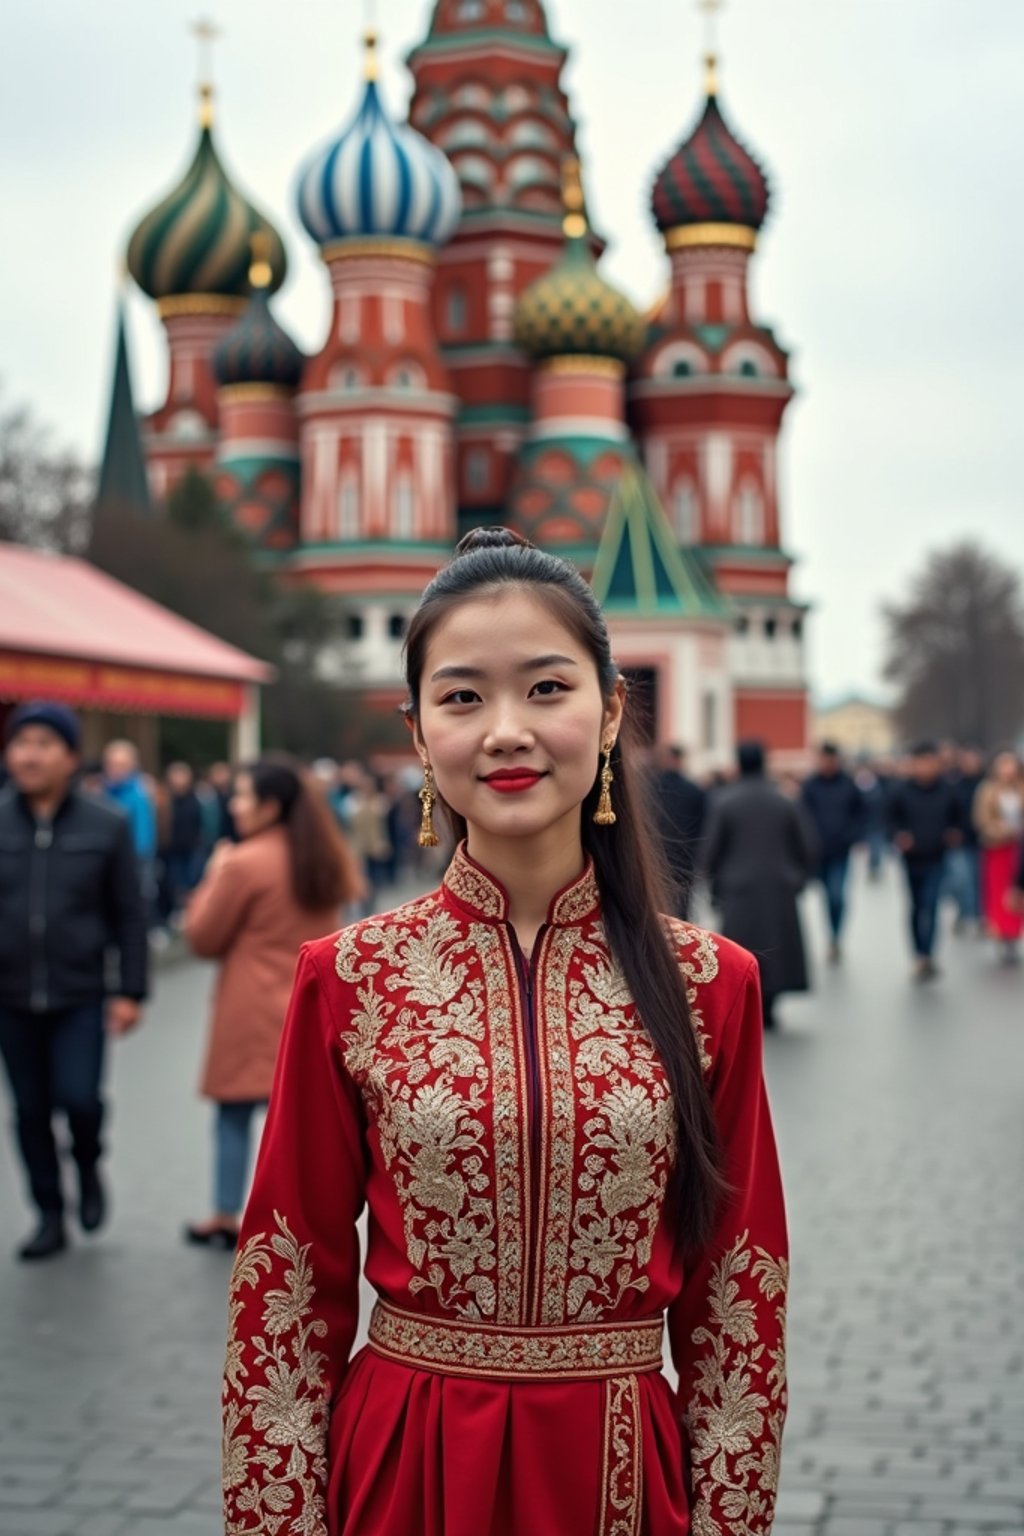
x=428 y=838
x=604 y=816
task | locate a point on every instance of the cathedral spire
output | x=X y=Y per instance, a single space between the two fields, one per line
x=122 y=477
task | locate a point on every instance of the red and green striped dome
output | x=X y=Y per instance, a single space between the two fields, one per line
x=711 y=179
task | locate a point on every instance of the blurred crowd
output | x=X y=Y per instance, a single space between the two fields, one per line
x=102 y=864
x=950 y=817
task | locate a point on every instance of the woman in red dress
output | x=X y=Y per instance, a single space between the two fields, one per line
x=998 y=814
x=550 y=1099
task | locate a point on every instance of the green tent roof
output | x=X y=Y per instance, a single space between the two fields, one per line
x=640 y=569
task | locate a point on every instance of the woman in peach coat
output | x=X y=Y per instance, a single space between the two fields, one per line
x=259 y=900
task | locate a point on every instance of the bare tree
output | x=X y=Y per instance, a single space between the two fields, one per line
x=44 y=492
x=955 y=649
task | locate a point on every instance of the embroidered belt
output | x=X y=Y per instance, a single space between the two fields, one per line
x=581 y=1352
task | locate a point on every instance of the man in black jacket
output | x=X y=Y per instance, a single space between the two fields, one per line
x=681 y=807
x=926 y=822
x=69 y=896
x=836 y=808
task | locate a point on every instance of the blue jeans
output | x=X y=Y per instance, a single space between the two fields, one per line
x=54 y=1061
x=231 y=1140
x=963 y=882
x=924 y=877
x=832 y=873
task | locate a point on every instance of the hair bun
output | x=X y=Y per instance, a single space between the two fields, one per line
x=490 y=538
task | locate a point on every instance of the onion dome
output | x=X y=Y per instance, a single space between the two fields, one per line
x=571 y=310
x=378 y=179
x=257 y=350
x=196 y=240
x=711 y=178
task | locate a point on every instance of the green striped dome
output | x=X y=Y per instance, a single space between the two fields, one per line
x=572 y=310
x=197 y=239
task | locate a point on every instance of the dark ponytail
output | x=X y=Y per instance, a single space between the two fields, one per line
x=630 y=870
x=323 y=867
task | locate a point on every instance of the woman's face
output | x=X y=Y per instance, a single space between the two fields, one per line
x=250 y=814
x=511 y=717
x=1006 y=769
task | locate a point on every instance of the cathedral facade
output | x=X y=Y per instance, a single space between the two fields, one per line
x=477 y=368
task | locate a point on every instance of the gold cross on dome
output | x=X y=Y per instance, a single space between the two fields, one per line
x=711 y=9
x=205 y=33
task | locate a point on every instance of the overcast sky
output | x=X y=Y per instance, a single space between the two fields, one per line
x=892 y=131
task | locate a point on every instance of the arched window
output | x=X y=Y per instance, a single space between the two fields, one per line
x=749 y=520
x=346 y=377
x=348 y=508
x=516 y=10
x=456 y=310
x=682 y=368
x=397 y=626
x=748 y=369
x=471 y=10
x=686 y=512
x=403 y=508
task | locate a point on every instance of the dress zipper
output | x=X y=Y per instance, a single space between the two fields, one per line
x=526 y=971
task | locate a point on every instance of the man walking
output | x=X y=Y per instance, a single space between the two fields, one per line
x=926 y=823
x=69 y=893
x=759 y=854
x=681 y=807
x=834 y=804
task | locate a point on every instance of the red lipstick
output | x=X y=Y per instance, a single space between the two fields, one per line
x=512 y=781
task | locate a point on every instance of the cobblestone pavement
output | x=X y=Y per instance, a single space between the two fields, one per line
x=900 y=1114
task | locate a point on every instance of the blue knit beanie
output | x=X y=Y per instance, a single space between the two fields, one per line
x=57 y=717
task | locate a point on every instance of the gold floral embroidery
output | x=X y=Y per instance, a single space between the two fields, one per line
x=739 y=1394
x=432 y=1065
x=558 y=1143
x=698 y=961
x=620 y=1094
x=509 y=1130
x=477 y=1349
x=474 y=886
x=622 y=1477
x=579 y=901
x=280 y=1486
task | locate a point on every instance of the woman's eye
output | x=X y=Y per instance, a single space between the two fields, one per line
x=460 y=696
x=549 y=687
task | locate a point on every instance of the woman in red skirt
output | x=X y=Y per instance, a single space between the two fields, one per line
x=999 y=817
x=549 y=1097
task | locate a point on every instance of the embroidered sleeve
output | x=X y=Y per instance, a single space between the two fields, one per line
x=293 y=1301
x=727 y=1328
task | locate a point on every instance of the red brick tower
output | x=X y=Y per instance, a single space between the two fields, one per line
x=488 y=92
x=707 y=400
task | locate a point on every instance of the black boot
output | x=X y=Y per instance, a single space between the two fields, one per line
x=47 y=1239
x=92 y=1205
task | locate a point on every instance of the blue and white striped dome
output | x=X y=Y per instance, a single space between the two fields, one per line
x=379 y=179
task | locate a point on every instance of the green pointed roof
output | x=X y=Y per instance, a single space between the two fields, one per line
x=122 y=478
x=640 y=571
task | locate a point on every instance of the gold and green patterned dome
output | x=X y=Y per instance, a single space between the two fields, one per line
x=571 y=310
x=196 y=241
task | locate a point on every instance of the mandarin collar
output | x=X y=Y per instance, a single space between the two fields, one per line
x=469 y=888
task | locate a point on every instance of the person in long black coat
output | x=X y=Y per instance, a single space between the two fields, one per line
x=680 y=806
x=759 y=853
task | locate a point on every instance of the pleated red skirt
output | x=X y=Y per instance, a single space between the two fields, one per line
x=416 y=1453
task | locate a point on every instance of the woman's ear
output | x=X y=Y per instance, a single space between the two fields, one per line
x=613 y=712
x=414 y=729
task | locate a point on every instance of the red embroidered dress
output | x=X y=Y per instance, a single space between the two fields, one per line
x=510 y=1128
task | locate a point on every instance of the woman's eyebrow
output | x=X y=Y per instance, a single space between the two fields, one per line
x=446 y=674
